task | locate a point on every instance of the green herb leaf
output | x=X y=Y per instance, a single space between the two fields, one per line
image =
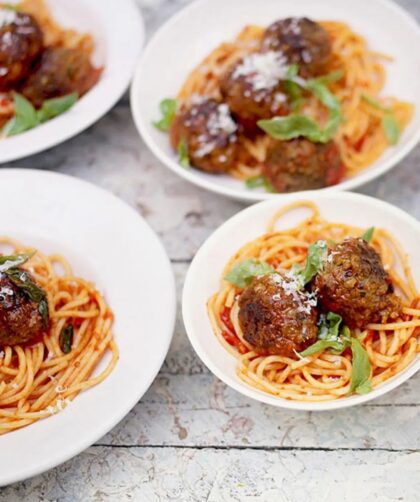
x=242 y=273
x=367 y=236
x=294 y=126
x=9 y=6
x=292 y=71
x=290 y=127
x=360 y=377
x=329 y=336
x=330 y=330
x=375 y=104
x=25 y=117
x=184 y=159
x=317 y=256
x=168 y=110
x=66 y=338
x=56 y=106
x=23 y=280
x=391 y=128
x=329 y=78
x=44 y=312
x=10 y=261
x=292 y=88
x=389 y=122
x=321 y=345
x=259 y=182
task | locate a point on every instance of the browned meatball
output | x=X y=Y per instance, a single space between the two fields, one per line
x=254 y=89
x=302 y=41
x=300 y=164
x=20 y=318
x=210 y=133
x=355 y=285
x=60 y=71
x=276 y=317
x=20 y=44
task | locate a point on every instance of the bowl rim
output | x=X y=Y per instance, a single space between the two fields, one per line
x=188 y=304
x=248 y=195
x=136 y=393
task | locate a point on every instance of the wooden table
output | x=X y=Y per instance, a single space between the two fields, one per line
x=190 y=437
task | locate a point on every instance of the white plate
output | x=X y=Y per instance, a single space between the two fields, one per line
x=118 y=32
x=190 y=35
x=203 y=279
x=108 y=243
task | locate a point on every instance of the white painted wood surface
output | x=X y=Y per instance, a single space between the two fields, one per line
x=191 y=438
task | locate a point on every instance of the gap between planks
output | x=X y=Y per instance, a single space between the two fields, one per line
x=255 y=448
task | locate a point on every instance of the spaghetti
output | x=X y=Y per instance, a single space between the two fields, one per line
x=361 y=137
x=38 y=380
x=391 y=347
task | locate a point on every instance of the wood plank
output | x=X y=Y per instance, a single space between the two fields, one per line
x=155 y=474
x=199 y=410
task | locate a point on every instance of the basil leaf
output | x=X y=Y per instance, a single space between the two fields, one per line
x=290 y=127
x=328 y=99
x=330 y=77
x=360 y=376
x=332 y=327
x=322 y=345
x=367 y=236
x=25 y=117
x=184 y=160
x=292 y=88
x=168 y=110
x=294 y=126
x=329 y=336
x=259 y=182
x=375 y=104
x=242 y=273
x=9 y=6
x=317 y=256
x=389 y=122
x=391 y=128
x=44 y=312
x=10 y=261
x=22 y=279
x=292 y=71
x=56 y=106
x=364 y=388
x=66 y=338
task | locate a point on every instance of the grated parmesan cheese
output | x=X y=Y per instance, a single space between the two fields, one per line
x=219 y=122
x=304 y=300
x=262 y=70
x=7 y=16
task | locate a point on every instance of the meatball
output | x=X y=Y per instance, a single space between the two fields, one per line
x=210 y=133
x=276 y=317
x=355 y=285
x=302 y=41
x=20 y=44
x=60 y=71
x=300 y=164
x=20 y=319
x=254 y=89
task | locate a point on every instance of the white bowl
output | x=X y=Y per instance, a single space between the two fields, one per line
x=203 y=279
x=107 y=243
x=191 y=34
x=118 y=32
